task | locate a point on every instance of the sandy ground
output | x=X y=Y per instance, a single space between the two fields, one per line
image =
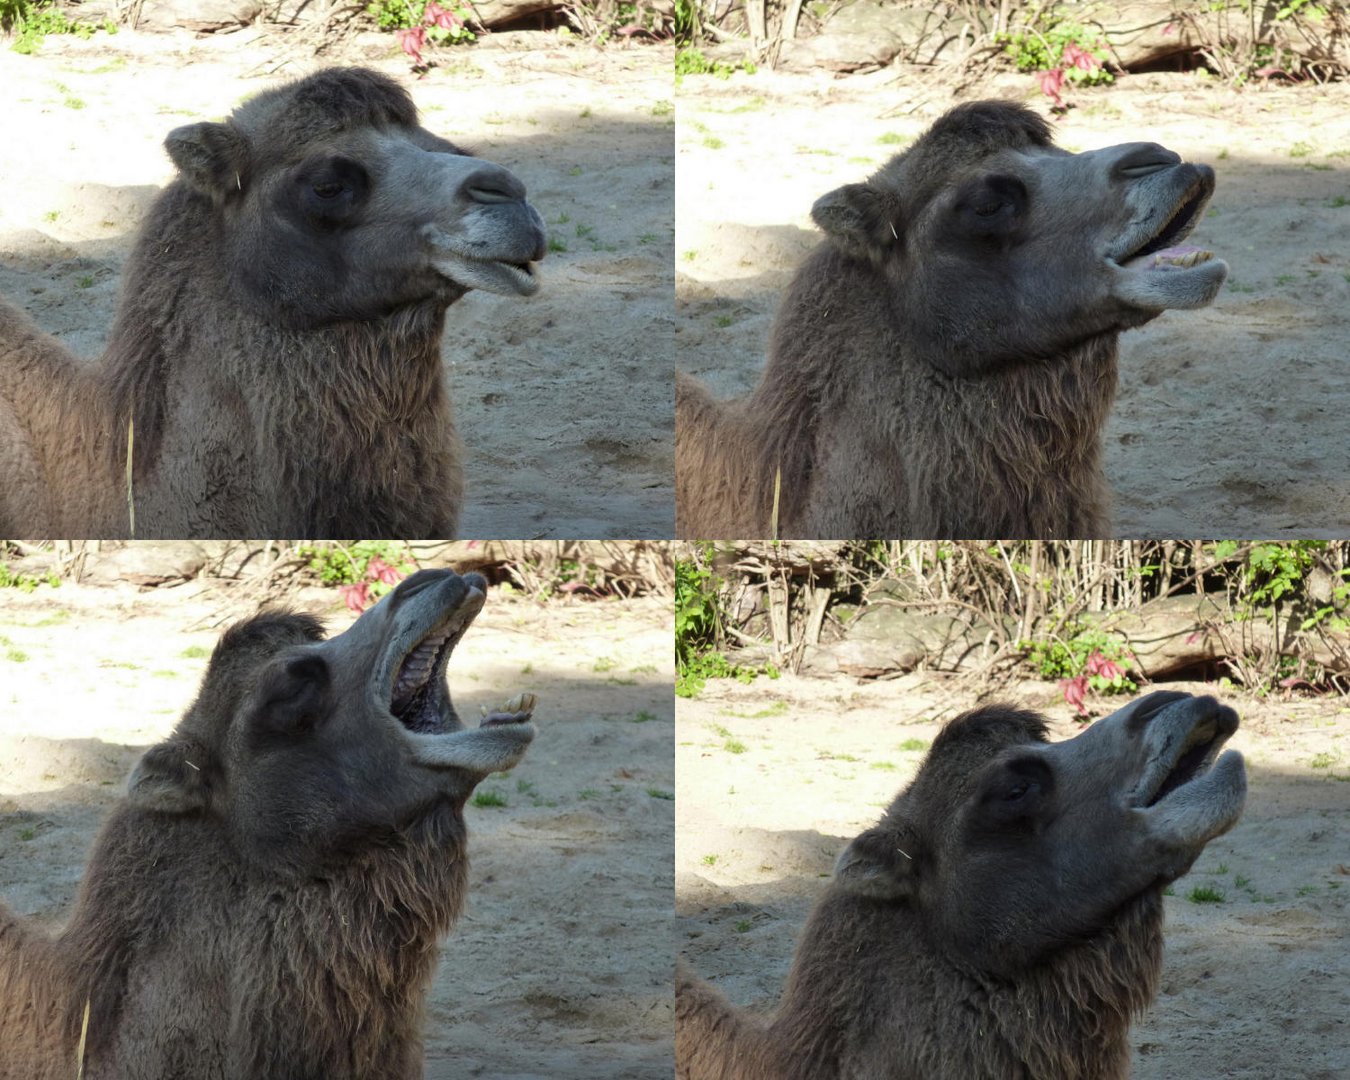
x=563 y=400
x=1254 y=987
x=1230 y=421
x=560 y=969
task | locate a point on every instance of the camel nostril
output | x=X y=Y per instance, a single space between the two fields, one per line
x=1142 y=159
x=492 y=186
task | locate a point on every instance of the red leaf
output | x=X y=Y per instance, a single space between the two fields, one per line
x=1075 y=690
x=1050 y=82
x=435 y=15
x=1079 y=58
x=356 y=597
x=411 y=42
x=379 y=570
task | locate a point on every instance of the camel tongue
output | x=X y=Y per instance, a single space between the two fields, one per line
x=1173 y=258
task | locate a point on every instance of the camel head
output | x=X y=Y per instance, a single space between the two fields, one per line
x=330 y=202
x=998 y=246
x=303 y=749
x=1009 y=847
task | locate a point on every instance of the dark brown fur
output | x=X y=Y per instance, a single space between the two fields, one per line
x=199 y=959
x=946 y=948
x=272 y=390
x=900 y=400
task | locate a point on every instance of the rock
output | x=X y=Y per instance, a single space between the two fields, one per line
x=148 y=564
x=202 y=16
x=862 y=35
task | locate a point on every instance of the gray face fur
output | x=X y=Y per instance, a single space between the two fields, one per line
x=1017 y=249
x=333 y=207
x=305 y=750
x=1010 y=847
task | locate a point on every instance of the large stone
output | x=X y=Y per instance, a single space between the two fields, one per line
x=202 y=16
x=862 y=35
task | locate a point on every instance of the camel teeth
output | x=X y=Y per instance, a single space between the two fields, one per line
x=520 y=703
x=1189 y=259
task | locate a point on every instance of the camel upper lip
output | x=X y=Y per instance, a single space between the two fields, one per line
x=1179 y=223
x=1188 y=758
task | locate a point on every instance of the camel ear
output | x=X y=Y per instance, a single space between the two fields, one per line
x=171 y=778
x=878 y=864
x=857 y=217
x=212 y=158
x=295 y=696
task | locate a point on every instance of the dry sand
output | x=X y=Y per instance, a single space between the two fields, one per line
x=563 y=400
x=1254 y=987
x=560 y=969
x=1233 y=420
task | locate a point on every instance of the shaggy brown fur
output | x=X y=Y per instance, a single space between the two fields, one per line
x=267 y=901
x=278 y=340
x=986 y=928
x=943 y=364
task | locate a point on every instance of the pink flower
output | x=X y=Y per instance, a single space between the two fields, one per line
x=1075 y=690
x=1050 y=82
x=411 y=42
x=435 y=15
x=379 y=570
x=356 y=597
x=1079 y=58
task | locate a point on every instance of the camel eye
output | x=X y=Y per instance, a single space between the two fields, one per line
x=988 y=210
x=328 y=189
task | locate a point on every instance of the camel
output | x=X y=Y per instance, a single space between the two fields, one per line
x=275 y=361
x=943 y=363
x=1004 y=918
x=267 y=898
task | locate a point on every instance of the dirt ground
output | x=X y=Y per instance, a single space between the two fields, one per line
x=563 y=400
x=560 y=969
x=1231 y=420
x=1253 y=987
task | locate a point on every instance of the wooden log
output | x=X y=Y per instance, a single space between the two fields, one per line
x=1163 y=639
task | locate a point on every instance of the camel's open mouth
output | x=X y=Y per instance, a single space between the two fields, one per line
x=417 y=698
x=1159 y=251
x=1194 y=757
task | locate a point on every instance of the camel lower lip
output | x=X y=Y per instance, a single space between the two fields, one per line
x=490 y=275
x=1170 y=259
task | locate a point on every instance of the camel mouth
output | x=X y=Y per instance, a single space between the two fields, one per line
x=506 y=277
x=417 y=698
x=1160 y=251
x=1193 y=758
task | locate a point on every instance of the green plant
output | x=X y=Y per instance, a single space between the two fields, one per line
x=33 y=20
x=26 y=583
x=1059 y=52
x=914 y=744
x=1088 y=659
x=363 y=571
x=488 y=798
x=691 y=61
x=1205 y=894
x=417 y=23
x=698 y=630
